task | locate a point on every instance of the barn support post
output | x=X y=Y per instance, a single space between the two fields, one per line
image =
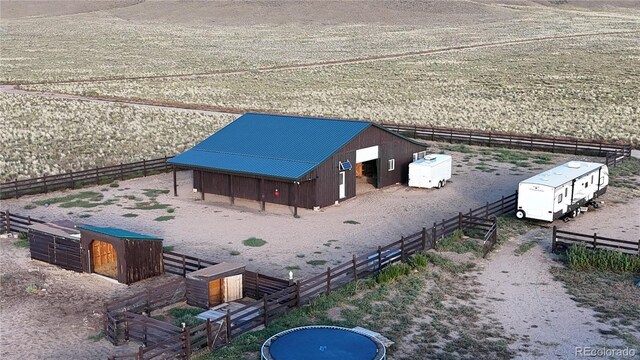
x=262 y=204
x=175 y=182
x=296 y=199
x=233 y=200
x=201 y=185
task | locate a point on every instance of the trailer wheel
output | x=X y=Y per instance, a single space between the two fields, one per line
x=520 y=214
x=596 y=205
x=444 y=182
x=439 y=185
x=574 y=213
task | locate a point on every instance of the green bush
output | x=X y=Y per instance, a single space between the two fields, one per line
x=580 y=257
x=393 y=272
x=418 y=261
x=186 y=315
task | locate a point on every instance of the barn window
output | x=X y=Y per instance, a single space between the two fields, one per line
x=392 y=164
x=560 y=199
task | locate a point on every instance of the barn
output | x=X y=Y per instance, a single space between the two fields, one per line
x=297 y=161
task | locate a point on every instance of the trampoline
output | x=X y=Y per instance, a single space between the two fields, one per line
x=322 y=342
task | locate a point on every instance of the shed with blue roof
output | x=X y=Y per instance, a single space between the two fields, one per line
x=120 y=254
x=297 y=161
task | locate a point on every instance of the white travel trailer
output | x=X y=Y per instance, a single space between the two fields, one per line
x=431 y=171
x=562 y=190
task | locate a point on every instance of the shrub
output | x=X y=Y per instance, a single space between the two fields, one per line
x=580 y=257
x=253 y=242
x=418 y=261
x=393 y=272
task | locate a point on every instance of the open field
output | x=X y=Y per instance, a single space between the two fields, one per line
x=49 y=136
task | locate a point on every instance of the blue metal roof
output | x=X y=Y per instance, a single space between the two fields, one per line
x=119 y=233
x=276 y=146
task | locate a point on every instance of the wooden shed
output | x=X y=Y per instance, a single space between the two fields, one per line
x=215 y=285
x=297 y=161
x=120 y=254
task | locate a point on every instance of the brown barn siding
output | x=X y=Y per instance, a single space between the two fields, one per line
x=143 y=259
x=197 y=293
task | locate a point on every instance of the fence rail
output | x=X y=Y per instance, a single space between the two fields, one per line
x=594 y=241
x=73 y=179
x=528 y=142
x=10 y=222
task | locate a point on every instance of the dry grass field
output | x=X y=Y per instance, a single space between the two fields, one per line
x=542 y=67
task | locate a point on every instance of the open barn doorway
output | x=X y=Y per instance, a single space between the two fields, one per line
x=104 y=259
x=366 y=176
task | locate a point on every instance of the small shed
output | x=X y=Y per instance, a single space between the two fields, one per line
x=56 y=243
x=120 y=254
x=215 y=285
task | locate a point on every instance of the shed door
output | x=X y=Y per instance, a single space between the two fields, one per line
x=342 y=185
x=215 y=292
x=232 y=286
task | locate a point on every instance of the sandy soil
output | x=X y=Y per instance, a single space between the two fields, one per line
x=530 y=303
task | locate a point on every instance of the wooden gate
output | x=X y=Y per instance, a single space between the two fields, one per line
x=104 y=259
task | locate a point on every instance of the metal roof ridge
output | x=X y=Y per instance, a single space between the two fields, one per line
x=306 y=117
x=254 y=156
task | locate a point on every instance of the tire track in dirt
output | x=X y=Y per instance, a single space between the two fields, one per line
x=331 y=62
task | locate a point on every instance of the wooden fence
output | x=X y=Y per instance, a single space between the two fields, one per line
x=180 y=264
x=56 y=250
x=75 y=179
x=568 y=238
x=10 y=222
x=144 y=302
x=509 y=140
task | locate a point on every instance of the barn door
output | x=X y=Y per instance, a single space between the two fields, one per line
x=104 y=259
x=342 y=185
x=215 y=292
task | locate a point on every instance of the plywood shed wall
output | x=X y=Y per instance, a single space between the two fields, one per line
x=214 y=285
x=56 y=243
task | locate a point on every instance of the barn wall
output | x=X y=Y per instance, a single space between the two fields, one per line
x=198 y=293
x=248 y=187
x=143 y=259
x=87 y=237
x=390 y=147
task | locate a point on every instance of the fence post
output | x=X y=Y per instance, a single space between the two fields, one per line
x=209 y=340
x=328 y=280
x=553 y=145
x=595 y=240
x=502 y=205
x=187 y=342
x=553 y=239
x=97 y=176
x=228 y=324
x=443 y=229
x=424 y=238
x=460 y=221
x=15 y=186
x=486 y=211
x=433 y=237
x=144 y=167
x=184 y=266
x=401 y=249
x=379 y=257
x=297 y=293
x=257 y=284
x=166 y=165
x=7 y=221
x=355 y=271
x=266 y=311
x=44 y=181
x=121 y=173
x=140 y=355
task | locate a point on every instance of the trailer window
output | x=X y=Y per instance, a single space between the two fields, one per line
x=392 y=164
x=559 y=198
x=566 y=192
x=591 y=179
x=586 y=185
